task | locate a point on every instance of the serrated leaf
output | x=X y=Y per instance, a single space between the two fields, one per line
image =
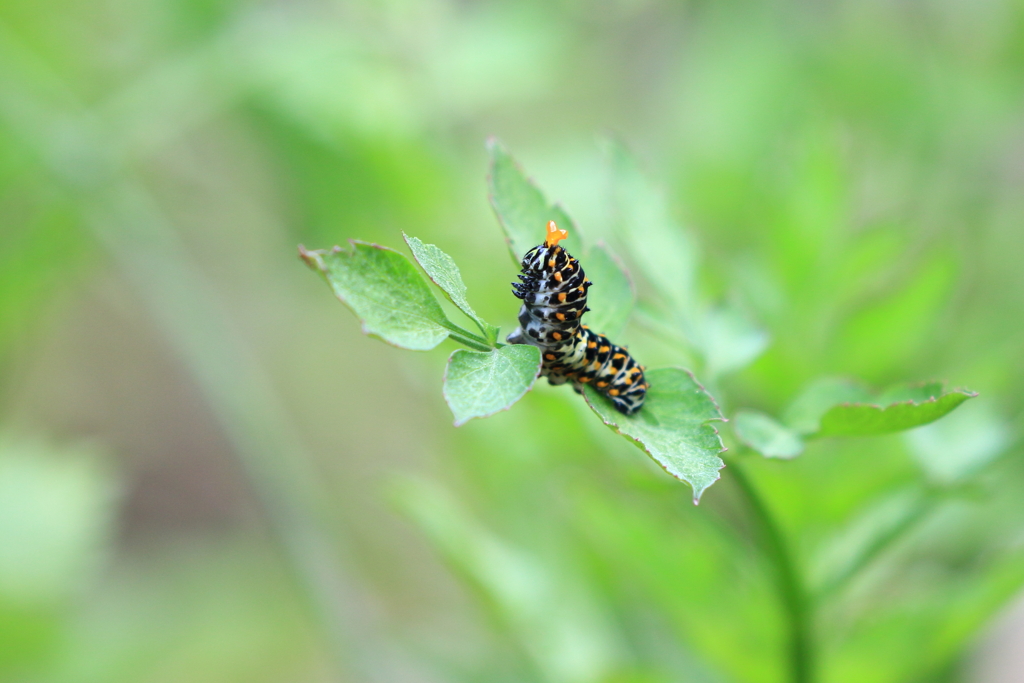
x=612 y=297
x=478 y=384
x=673 y=427
x=863 y=419
x=767 y=436
x=441 y=269
x=839 y=407
x=805 y=412
x=385 y=291
x=921 y=391
x=521 y=207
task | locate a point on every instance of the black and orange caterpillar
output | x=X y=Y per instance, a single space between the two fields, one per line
x=554 y=293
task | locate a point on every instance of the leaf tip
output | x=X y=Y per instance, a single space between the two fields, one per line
x=698 y=493
x=312 y=258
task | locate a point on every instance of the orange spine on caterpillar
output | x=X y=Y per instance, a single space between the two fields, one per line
x=555 y=235
x=554 y=288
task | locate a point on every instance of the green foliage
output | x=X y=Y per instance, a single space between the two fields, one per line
x=674 y=426
x=612 y=298
x=394 y=304
x=478 y=384
x=520 y=206
x=385 y=291
x=765 y=435
x=576 y=642
x=836 y=196
x=890 y=414
x=722 y=337
x=652 y=236
x=441 y=269
x=837 y=407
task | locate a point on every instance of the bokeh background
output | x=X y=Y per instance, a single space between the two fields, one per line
x=207 y=473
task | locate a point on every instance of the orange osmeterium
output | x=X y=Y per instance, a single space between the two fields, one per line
x=554 y=234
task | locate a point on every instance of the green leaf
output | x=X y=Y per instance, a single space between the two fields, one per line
x=521 y=208
x=805 y=413
x=862 y=419
x=441 y=269
x=921 y=391
x=651 y=234
x=673 y=427
x=612 y=297
x=767 y=436
x=839 y=407
x=385 y=291
x=479 y=384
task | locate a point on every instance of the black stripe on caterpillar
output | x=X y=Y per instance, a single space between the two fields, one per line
x=554 y=288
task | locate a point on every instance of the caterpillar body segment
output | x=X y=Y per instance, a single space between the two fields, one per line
x=553 y=288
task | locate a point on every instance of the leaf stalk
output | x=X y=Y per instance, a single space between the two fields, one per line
x=468 y=339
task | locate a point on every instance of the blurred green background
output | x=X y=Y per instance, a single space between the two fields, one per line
x=208 y=474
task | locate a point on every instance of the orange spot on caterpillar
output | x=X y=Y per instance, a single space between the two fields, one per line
x=549 y=356
x=554 y=234
x=557 y=336
x=558 y=276
x=561 y=296
x=604 y=349
x=560 y=316
x=551 y=263
x=613 y=392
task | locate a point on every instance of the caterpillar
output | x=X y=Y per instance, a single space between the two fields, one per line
x=553 y=289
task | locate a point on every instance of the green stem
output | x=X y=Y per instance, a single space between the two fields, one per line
x=467 y=338
x=791 y=588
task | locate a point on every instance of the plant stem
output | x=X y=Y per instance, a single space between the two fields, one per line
x=791 y=588
x=466 y=339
